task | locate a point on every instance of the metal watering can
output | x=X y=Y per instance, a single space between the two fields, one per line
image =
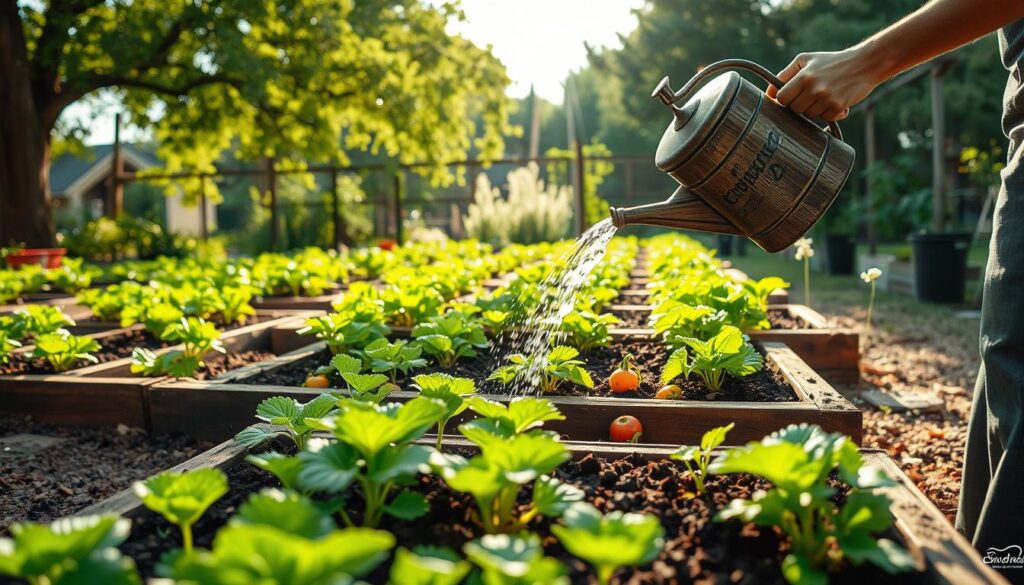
x=746 y=165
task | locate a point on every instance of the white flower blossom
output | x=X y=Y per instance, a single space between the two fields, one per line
x=871 y=274
x=804 y=249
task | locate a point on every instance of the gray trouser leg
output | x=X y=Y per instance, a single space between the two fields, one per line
x=991 y=511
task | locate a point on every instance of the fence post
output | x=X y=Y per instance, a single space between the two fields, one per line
x=272 y=181
x=204 y=228
x=399 y=236
x=336 y=207
x=581 y=199
x=115 y=199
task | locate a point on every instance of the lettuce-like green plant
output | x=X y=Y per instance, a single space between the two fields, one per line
x=77 y=549
x=234 y=305
x=675 y=320
x=375 y=448
x=394 y=358
x=404 y=306
x=155 y=315
x=7 y=345
x=345 y=331
x=259 y=553
x=561 y=366
x=290 y=416
x=798 y=461
x=182 y=497
x=697 y=459
x=514 y=560
x=450 y=337
x=727 y=353
x=365 y=387
x=495 y=476
x=449 y=390
x=587 y=330
x=35 y=320
x=428 y=565
x=610 y=541
x=63 y=350
x=71 y=276
x=197 y=337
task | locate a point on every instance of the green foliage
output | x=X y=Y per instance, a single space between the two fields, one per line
x=727 y=353
x=587 y=330
x=700 y=457
x=405 y=306
x=595 y=170
x=375 y=448
x=7 y=345
x=364 y=387
x=514 y=560
x=450 y=337
x=798 y=461
x=196 y=336
x=609 y=541
x=182 y=497
x=428 y=565
x=560 y=366
x=394 y=358
x=33 y=320
x=345 y=331
x=289 y=414
x=73 y=550
x=533 y=212
x=449 y=390
x=106 y=239
x=63 y=350
x=501 y=421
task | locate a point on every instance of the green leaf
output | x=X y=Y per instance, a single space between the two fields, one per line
x=553 y=497
x=288 y=512
x=328 y=468
x=107 y=566
x=531 y=412
x=715 y=437
x=371 y=428
x=278 y=410
x=407 y=506
x=284 y=468
x=675 y=365
x=562 y=353
x=346 y=364
x=182 y=497
x=398 y=462
x=427 y=565
x=514 y=560
x=798 y=571
x=38 y=549
x=610 y=541
x=364 y=383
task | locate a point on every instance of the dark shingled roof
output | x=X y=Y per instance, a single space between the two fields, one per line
x=68 y=168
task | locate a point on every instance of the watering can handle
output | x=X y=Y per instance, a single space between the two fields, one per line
x=668 y=97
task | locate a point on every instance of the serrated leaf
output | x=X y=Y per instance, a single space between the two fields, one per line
x=289 y=512
x=329 y=469
x=553 y=497
x=182 y=497
x=407 y=506
x=284 y=468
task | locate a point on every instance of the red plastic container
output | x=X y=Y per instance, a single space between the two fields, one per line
x=45 y=257
x=387 y=244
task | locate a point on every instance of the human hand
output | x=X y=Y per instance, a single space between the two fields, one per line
x=826 y=85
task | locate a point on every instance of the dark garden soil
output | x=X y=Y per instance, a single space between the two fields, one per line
x=249 y=320
x=112 y=348
x=86 y=466
x=649 y=357
x=696 y=549
x=781 y=319
x=633 y=319
x=222 y=363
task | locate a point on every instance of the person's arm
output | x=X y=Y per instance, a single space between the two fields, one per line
x=827 y=85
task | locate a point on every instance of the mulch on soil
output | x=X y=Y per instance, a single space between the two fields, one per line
x=697 y=549
x=86 y=467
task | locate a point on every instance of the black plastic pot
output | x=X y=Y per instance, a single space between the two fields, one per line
x=840 y=253
x=940 y=266
x=724 y=246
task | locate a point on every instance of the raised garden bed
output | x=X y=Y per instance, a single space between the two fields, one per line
x=787 y=392
x=833 y=353
x=108 y=393
x=625 y=478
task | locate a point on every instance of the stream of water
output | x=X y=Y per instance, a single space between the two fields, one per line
x=539 y=331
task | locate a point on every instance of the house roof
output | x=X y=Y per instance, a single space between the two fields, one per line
x=69 y=168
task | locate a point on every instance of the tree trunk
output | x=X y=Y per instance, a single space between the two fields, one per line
x=25 y=216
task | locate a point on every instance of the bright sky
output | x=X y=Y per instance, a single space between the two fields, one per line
x=539 y=41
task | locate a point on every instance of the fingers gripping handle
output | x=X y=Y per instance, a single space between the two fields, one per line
x=668 y=97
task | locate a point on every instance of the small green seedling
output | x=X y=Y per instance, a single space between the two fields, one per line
x=798 y=461
x=77 y=549
x=561 y=366
x=182 y=497
x=449 y=390
x=63 y=350
x=514 y=560
x=450 y=337
x=611 y=541
x=394 y=358
x=700 y=457
x=344 y=331
x=288 y=414
x=428 y=565
x=727 y=353
x=365 y=387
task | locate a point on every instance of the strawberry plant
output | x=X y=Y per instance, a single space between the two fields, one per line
x=393 y=358
x=674 y=320
x=197 y=337
x=798 y=461
x=182 y=497
x=697 y=459
x=63 y=350
x=290 y=416
x=586 y=330
x=727 y=353
x=35 y=320
x=428 y=565
x=233 y=305
x=448 y=390
x=450 y=337
x=77 y=549
x=514 y=560
x=374 y=447
x=560 y=365
x=7 y=345
x=346 y=330
x=404 y=306
x=363 y=387
x=611 y=541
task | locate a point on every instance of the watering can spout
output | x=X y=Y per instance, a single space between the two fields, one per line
x=682 y=210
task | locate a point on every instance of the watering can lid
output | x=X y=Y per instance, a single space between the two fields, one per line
x=687 y=133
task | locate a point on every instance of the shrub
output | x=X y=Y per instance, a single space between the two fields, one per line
x=533 y=212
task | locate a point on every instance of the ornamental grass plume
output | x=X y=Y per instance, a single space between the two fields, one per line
x=870 y=276
x=805 y=252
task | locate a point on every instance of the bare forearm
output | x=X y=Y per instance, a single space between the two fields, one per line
x=936 y=28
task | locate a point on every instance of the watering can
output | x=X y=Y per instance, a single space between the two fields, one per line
x=746 y=165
